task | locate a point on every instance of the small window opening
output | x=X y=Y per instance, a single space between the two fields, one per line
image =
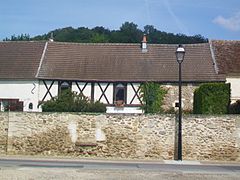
x=176 y=104
x=120 y=94
x=30 y=106
x=64 y=86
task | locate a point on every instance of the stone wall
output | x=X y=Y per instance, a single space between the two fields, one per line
x=211 y=138
x=3 y=132
x=172 y=96
x=120 y=136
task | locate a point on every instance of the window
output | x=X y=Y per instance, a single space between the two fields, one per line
x=30 y=106
x=176 y=103
x=120 y=94
x=64 y=85
x=11 y=105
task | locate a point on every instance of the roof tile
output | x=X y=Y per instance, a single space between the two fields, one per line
x=20 y=60
x=126 y=62
x=227 y=55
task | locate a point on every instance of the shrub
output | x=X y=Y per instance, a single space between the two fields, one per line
x=235 y=108
x=212 y=98
x=152 y=95
x=96 y=107
x=69 y=101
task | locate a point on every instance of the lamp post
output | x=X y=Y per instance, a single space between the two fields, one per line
x=180 y=52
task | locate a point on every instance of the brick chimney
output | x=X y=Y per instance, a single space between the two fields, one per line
x=144 y=44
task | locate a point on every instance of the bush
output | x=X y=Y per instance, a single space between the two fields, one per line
x=235 y=108
x=152 y=95
x=212 y=98
x=71 y=102
x=96 y=107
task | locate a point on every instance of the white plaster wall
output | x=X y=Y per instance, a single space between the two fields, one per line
x=33 y=91
x=127 y=110
x=26 y=91
x=43 y=90
x=86 y=91
x=235 y=88
x=108 y=93
x=131 y=93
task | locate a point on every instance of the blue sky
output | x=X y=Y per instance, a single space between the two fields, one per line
x=214 y=19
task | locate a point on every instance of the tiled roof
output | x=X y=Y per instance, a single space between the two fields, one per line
x=20 y=60
x=126 y=62
x=227 y=55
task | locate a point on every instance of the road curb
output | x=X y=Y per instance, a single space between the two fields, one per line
x=119 y=161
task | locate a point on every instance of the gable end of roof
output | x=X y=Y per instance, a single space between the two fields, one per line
x=42 y=58
x=213 y=57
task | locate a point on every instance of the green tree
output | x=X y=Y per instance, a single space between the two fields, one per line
x=127 y=33
x=21 y=37
x=99 y=38
x=152 y=95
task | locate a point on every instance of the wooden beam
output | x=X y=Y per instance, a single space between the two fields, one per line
x=103 y=92
x=48 y=90
x=136 y=93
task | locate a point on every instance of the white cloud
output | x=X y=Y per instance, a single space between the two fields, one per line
x=231 y=23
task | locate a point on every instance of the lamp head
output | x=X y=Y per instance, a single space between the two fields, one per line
x=180 y=52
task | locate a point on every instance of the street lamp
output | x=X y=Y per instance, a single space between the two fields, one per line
x=180 y=52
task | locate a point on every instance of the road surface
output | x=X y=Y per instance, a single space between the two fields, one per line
x=21 y=168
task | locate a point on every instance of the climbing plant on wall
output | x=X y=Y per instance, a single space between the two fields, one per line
x=152 y=95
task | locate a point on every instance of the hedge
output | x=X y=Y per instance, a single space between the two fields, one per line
x=212 y=98
x=71 y=102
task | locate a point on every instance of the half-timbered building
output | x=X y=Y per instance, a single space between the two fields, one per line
x=34 y=72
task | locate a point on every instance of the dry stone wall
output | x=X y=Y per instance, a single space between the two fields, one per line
x=119 y=136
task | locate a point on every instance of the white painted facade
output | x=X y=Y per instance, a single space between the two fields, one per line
x=125 y=110
x=43 y=90
x=86 y=91
x=33 y=91
x=235 y=88
x=26 y=91
x=109 y=93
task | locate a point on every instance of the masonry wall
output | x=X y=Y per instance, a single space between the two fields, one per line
x=3 y=132
x=172 y=96
x=120 y=136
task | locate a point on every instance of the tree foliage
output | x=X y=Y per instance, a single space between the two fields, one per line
x=152 y=95
x=127 y=33
x=22 y=37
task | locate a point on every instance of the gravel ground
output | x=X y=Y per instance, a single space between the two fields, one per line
x=94 y=174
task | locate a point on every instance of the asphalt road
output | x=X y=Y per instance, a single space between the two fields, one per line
x=95 y=169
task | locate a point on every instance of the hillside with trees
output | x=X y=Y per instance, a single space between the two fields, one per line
x=127 y=33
